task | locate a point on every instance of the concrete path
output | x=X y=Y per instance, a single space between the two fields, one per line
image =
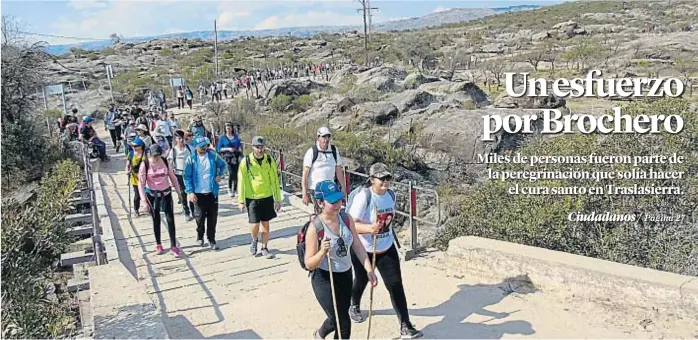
x=230 y=294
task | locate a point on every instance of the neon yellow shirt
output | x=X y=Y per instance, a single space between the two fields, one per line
x=259 y=180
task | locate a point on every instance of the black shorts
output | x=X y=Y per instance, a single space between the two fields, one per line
x=260 y=210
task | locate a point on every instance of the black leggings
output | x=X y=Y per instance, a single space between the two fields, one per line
x=233 y=175
x=323 y=293
x=136 y=197
x=388 y=264
x=164 y=202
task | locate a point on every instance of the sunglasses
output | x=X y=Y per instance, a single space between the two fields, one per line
x=341 y=248
x=385 y=178
x=326 y=136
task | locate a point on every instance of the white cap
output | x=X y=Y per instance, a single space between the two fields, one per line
x=323 y=131
x=142 y=127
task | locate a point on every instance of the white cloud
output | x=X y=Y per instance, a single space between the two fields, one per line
x=325 y=18
x=87 y=4
x=228 y=19
x=440 y=9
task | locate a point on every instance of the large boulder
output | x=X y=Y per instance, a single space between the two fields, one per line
x=550 y=101
x=383 y=78
x=414 y=80
x=459 y=90
x=412 y=99
x=294 y=88
x=375 y=112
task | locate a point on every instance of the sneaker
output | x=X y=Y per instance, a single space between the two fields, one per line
x=158 y=249
x=230 y=193
x=253 y=248
x=407 y=331
x=176 y=251
x=316 y=335
x=267 y=254
x=355 y=314
x=200 y=243
x=214 y=246
x=189 y=218
x=118 y=146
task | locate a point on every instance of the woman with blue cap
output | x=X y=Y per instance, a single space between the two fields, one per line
x=332 y=234
x=88 y=134
x=133 y=164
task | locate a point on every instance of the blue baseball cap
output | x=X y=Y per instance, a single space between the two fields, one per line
x=87 y=119
x=328 y=191
x=138 y=142
x=201 y=142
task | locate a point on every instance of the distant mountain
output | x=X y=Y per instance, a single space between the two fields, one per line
x=450 y=16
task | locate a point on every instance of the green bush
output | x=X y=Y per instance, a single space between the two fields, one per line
x=33 y=236
x=302 y=103
x=542 y=220
x=281 y=102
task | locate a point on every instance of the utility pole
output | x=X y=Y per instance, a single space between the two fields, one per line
x=215 y=45
x=365 y=9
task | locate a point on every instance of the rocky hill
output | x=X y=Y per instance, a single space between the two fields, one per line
x=424 y=100
x=449 y=16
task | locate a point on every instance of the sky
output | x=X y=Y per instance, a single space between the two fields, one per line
x=98 y=19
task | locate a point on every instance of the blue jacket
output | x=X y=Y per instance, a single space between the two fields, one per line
x=218 y=168
x=225 y=142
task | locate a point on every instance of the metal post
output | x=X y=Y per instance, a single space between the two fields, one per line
x=413 y=213
x=110 y=75
x=347 y=180
x=282 y=166
x=65 y=108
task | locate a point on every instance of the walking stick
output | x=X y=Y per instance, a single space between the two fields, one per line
x=373 y=265
x=334 y=297
x=128 y=182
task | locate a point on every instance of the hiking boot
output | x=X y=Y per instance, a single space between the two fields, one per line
x=355 y=314
x=214 y=246
x=253 y=248
x=407 y=331
x=267 y=254
x=176 y=251
x=200 y=243
x=158 y=249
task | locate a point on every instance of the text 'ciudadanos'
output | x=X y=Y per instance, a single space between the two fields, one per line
x=592 y=85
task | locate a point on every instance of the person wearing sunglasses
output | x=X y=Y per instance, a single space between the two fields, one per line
x=332 y=233
x=373 y=211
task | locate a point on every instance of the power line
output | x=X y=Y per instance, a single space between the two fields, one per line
x=58 y=36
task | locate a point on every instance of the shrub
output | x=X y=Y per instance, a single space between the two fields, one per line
x=33 y=236
x=280 y=103
x=302 y=103
x=542 y=220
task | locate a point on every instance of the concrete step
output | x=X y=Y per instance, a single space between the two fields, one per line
x=78 y=218
x=76 y=285
x=85 y=229
x=69 y=259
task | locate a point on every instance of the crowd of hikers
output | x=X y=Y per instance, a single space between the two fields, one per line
x=348 y=237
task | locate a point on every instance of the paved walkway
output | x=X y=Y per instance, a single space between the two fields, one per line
x=231 y=294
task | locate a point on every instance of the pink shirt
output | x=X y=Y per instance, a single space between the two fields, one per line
x=157 y=178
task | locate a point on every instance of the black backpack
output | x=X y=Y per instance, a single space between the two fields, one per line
x=300 y=237
x=316 y=152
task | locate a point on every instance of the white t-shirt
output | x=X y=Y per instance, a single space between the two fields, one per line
x=384 y=209
x=204 y=174
x=323 y=169
x=163 y=126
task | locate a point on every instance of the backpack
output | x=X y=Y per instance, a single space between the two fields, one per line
x=300 y=236
x=316 y=152
x=134 y=169
x=366 y=189
x=247 y=160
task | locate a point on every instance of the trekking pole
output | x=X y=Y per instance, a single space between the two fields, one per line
x=128 y=182
x=373 y=266
x=334 y=297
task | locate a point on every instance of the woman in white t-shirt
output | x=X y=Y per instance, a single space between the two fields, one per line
x=373 y=210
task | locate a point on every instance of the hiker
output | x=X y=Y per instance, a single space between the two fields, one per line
x=202 y=173
x=156 y=181
x=174 y=123
x=160 y=140
x=133 y=165
x=213 y=92
x=164 y=127
x=189 y=95
x=197 y=127
x=136 y=111
x=109 y=120
x=144 y=135
x=336 y=238
x=180 y=98
x=126 y=133
x=322 y=163
x=225 y=89
x=373 y=210
x=259 y=193
x=88 y=134
x=230 y=148
x=202 y=94
x=178 y=155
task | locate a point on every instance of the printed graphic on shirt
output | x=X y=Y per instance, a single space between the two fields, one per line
x=385 y=220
